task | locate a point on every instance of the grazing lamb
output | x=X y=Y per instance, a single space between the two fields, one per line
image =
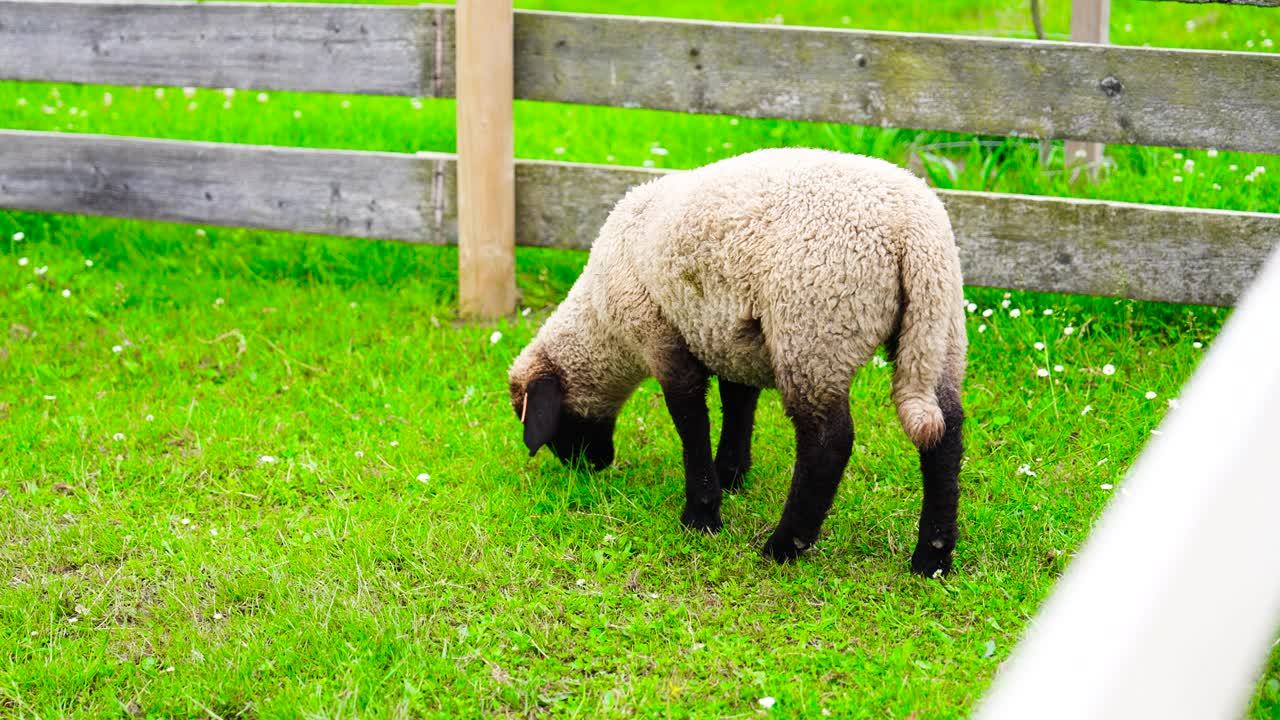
x=780 y=268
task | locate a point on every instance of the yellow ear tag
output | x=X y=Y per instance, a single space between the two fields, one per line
x=524 y=408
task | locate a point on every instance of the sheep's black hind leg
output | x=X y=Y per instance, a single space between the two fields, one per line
x=733 y=457
x=684 y=385
x=824 y=440
x=940 y=466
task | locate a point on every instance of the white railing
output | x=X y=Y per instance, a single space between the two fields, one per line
x=1170 y=608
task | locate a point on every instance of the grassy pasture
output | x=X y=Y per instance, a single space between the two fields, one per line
x=248 y=474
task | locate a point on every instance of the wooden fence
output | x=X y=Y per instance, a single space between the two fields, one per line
x=1097 y=93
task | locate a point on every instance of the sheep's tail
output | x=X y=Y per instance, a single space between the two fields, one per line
x=931 y=340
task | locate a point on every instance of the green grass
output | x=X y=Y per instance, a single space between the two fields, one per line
x=402 y=557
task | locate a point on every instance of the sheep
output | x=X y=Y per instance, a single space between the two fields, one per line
x=781 y=268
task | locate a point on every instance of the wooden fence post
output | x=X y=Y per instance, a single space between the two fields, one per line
x=486 y=159
x=1090 y=20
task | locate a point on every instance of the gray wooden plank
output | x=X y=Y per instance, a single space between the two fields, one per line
x=336 y=192
x=317 y=47
x=1111 y=94
x=1090 y=247
x=980 y=85
x=563 y=205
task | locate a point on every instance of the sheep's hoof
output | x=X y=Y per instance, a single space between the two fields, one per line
x=731 y=477
x=783 y=547
x=703 y=520
x=931 y=562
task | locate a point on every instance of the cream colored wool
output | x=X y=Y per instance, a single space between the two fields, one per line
x=779 y=268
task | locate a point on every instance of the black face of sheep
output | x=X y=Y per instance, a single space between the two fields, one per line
x=572 y=437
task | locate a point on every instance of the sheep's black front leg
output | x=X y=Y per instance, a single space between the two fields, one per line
x=733 y=458
x=824 y=441
x=940 y=466
x=684 y=385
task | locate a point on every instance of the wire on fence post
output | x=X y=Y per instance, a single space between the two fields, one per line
x=486 y=162
x=1090 y=23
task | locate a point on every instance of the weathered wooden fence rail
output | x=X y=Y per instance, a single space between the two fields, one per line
x=1131 y=95
x=1037 y=243
x=1097 y=93
x=309 y=48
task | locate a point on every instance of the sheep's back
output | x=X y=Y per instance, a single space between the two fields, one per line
x=787 y=252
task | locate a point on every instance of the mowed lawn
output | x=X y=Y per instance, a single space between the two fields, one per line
x=248 y=474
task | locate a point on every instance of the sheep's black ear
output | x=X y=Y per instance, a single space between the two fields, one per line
x=543 y=397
